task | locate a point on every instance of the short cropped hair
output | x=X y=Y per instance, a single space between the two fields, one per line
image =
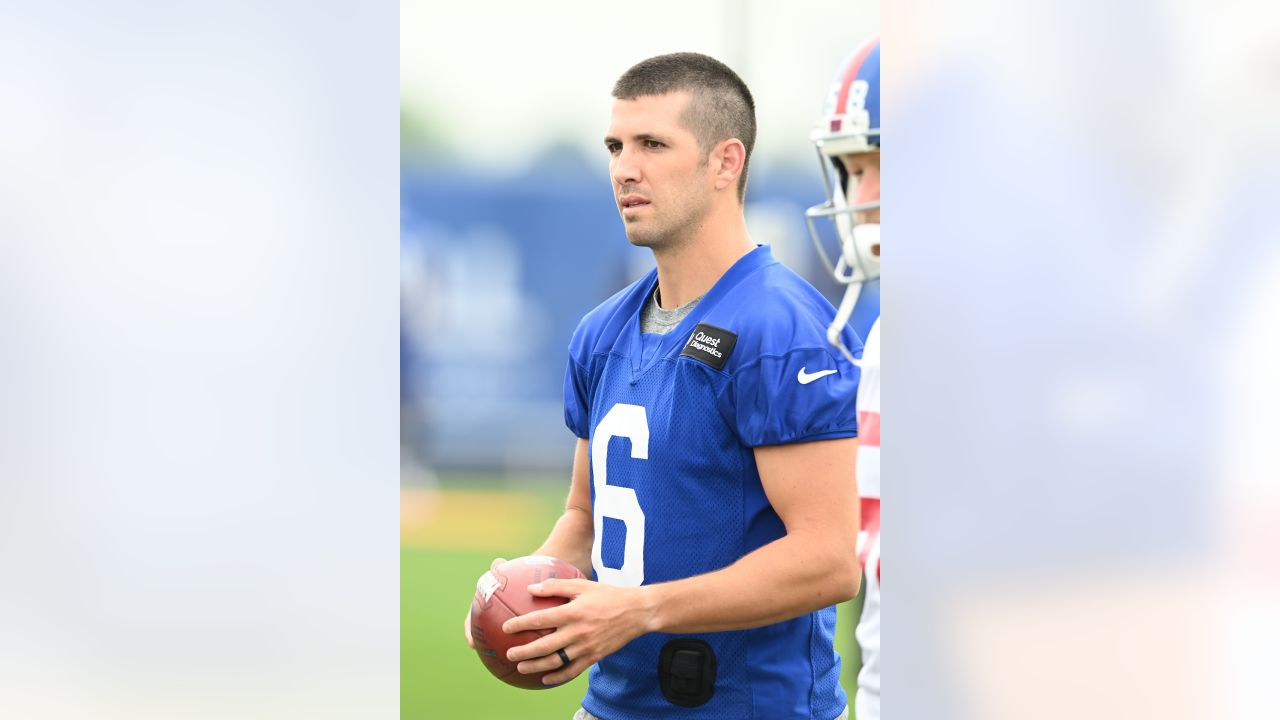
x=720 y=105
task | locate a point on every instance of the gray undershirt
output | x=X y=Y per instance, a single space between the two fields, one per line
x=653 y=319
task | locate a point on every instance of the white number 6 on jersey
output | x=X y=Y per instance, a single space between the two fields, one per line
x=620 y=503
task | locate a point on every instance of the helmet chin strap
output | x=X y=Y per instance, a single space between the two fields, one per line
x=858 y=255
x=851 y=292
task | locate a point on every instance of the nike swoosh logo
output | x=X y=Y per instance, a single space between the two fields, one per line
x=806 y=378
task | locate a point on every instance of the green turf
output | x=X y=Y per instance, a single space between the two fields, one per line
x=442 y=679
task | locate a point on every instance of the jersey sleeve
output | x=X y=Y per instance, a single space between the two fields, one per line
x=577 y=385
x=576 y=414
x=804 y=395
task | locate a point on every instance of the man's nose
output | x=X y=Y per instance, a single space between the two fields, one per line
x=626 y=168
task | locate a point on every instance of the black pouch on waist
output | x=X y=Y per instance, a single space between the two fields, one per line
x=687 y=671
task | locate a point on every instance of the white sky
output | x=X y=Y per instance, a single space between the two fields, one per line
x=503 y=79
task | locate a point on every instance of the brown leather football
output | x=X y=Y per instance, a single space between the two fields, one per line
x=502 y=594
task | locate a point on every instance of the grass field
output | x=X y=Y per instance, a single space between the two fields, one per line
x=448 y=537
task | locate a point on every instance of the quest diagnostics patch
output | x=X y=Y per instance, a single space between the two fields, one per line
x=711 y=345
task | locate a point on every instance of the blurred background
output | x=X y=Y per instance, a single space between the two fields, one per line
x=509 y=236
x=228 y=230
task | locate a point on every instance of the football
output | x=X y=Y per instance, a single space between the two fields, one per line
x=501 y=594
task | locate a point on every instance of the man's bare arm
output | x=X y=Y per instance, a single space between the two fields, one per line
x=571 y=537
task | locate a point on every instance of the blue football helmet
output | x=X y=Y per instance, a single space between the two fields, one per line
x=849 y=123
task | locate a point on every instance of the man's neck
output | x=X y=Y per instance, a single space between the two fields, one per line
x=688 y=271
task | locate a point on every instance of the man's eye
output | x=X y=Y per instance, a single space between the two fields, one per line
x=652 y=144
x=613 y=148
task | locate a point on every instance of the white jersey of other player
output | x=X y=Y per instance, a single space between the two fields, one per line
x=867 y=702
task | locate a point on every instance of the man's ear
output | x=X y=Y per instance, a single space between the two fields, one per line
x=727 y=158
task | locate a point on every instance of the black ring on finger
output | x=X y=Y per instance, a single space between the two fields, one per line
x=564 y=657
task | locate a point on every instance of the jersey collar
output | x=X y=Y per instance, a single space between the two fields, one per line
x=674 y=341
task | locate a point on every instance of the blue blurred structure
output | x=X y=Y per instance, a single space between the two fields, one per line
x=496 y=273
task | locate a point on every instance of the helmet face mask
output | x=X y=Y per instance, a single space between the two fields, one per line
x=848 y=125
x=855 y=259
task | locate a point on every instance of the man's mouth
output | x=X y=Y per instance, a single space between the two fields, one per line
x=628 y=202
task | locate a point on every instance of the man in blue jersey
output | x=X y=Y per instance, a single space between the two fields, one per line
x=713 y=496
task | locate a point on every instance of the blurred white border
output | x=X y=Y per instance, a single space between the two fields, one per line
x=199 y=301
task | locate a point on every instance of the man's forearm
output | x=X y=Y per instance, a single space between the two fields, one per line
x=791 y=576
x=570 y=539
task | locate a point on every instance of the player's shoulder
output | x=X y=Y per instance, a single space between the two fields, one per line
x=775 y=312
x=785 y=297
x=872 y=346
x=603 y=324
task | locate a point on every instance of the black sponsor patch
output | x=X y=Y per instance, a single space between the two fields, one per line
x=711 y=345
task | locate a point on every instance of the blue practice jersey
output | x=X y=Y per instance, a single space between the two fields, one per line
x=672 y=421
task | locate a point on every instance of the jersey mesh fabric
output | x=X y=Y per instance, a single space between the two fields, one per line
x=826 y=665
x=693 y=525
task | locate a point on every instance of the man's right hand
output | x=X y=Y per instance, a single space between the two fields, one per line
x=466 y=622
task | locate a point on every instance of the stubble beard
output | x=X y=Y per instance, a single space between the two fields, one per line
x=665 y=234
x=648 y=237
